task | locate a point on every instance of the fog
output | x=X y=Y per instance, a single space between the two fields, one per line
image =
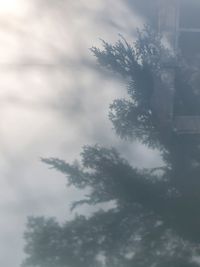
x=54 y=99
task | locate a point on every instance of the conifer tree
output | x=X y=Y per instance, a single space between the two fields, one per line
x=156 y=217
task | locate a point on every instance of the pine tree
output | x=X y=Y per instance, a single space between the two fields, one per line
x=155 y=220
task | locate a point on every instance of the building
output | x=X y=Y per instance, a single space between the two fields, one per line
x=179 y=23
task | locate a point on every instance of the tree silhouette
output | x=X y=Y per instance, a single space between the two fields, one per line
x=155 y=220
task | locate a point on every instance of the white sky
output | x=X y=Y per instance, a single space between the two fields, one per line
x=51 y=104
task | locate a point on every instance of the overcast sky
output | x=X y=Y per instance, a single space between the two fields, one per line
x=52 y=102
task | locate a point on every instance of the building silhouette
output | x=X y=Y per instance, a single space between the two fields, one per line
x=179 y=24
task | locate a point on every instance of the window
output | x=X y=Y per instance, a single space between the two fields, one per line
x=189 y=29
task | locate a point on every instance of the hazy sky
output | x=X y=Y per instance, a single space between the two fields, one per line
x=52 y=102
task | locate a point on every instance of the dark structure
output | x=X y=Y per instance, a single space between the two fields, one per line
x=179 y=23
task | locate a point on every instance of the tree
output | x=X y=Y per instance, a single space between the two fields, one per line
x=155 y=220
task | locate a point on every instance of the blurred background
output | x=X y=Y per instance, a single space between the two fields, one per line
x=53 y=100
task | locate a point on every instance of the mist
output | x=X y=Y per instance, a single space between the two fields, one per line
x=54 y=99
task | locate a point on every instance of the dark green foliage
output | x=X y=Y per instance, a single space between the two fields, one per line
x=125 y=237
x=110 y=177
x=155 y=218
x=139 y=64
